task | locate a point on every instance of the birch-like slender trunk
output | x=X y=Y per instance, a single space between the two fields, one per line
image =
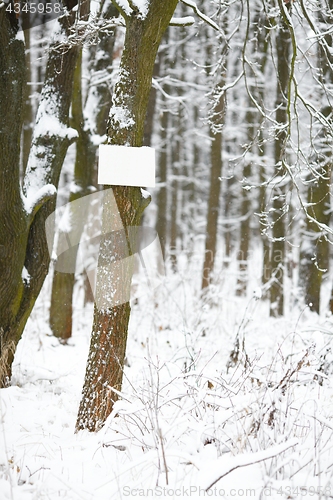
x=283 y=47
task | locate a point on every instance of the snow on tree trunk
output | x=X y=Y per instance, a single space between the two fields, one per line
x=90 y=123
x=13 y=220
x=24 y=252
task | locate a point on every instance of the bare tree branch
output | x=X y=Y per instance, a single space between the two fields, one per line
x=121 y=9
x=200 y=14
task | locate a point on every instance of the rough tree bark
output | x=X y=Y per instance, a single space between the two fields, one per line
x=13 y=233
x=23 y=246
x=105 y=363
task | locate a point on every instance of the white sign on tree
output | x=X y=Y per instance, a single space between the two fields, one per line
x=126 y=166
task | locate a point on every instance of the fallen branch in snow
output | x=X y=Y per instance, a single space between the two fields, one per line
x=249 y=459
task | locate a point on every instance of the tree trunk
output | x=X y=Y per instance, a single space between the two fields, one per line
x=279 y=191
x=162 y=221
x=61 y=309
x=28 y=115
x=266 y=247
x=174 y=212
x=244 y=243
x=314 y=255
x=216 y=117
x=228 y=240
x=23 y=246
x=13 y=221
x=262 y=36
x=110 y=326
x=213 y=203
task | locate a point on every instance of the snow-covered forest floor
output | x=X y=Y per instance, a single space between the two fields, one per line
x=264 y=425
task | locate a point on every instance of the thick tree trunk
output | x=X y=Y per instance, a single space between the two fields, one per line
x=13 y=220
x=109 y=333
x=23 y=246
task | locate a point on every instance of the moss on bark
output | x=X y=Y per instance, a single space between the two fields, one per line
x=105 y=364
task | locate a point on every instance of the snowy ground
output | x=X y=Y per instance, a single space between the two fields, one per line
x=265 y=428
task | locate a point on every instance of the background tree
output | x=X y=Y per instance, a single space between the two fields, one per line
x=314 y=256
x=90 y=124
x=283 y=48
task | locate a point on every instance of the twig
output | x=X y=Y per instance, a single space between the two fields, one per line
x=253 y=458
x=202 y=16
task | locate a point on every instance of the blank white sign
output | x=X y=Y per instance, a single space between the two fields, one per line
x=126 y=166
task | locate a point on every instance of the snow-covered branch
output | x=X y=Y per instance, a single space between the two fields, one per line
x=200 y=14
x=182 y=21
x=129 y=7
x=52 y=134
x=36 y=200
x=140 y=6
x=88 y=32
x=123 y=7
